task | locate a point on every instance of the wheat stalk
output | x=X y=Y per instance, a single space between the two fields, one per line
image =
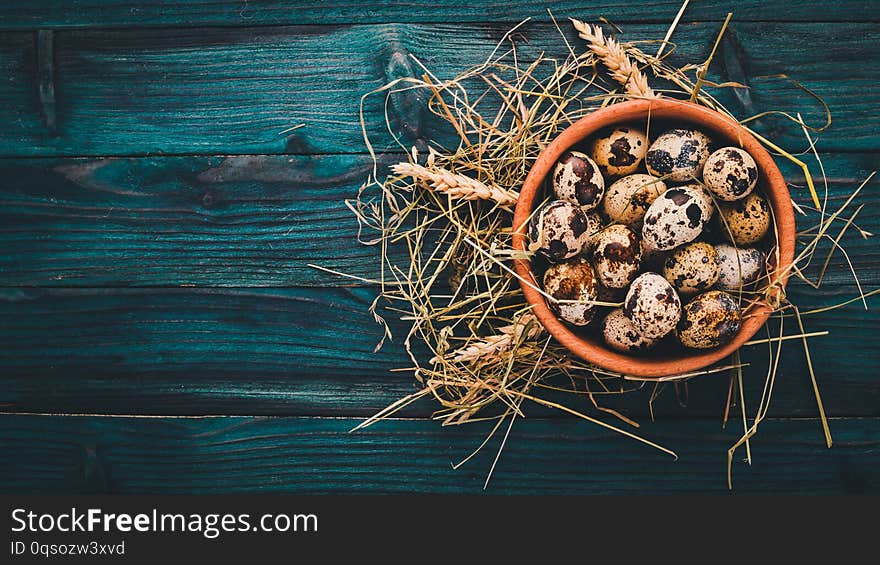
x=615 y=58
x=493 y=346
x=456 y=185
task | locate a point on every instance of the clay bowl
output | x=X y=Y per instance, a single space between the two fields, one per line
x=723 y=131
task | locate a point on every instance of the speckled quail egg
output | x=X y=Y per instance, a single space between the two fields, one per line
x=572 y=280
x=692 y=268
x=678 y=155
x=620 y=334
x=730 y=173
x=652 y=305
x=620 y=152
x=627 y=199
x=617 y=256
x=709 y=320
x=559 y=230
x=576 y=179
x=747 y=220
x=676 y=217
x=738 y=267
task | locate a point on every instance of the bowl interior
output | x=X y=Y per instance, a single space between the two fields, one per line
x=657 y=115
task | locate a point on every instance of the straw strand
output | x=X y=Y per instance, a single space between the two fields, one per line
x=456 y=185
x=613 y=55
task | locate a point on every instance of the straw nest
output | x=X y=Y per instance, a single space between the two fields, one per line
x=475 y=347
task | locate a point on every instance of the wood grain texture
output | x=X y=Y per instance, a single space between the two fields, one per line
x=129 y=279
x=218 y=221
x=318 y=455
x=175 y=350
x=310 y=352
x=248 y=220
x=237 y=90
x=112 y=13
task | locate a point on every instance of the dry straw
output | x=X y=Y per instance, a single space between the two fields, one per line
x=491 y=349
x=455 y=185
x=613 y=56
x=474 y=345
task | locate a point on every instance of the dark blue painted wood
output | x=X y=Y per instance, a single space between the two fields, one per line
x=318 y=455
x=250 y=220
x=235 y=211
x=310 y=351
x=173 y=91
x=128 y=13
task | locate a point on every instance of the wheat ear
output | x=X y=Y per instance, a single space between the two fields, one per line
x=615 y=58
x=457 y=186
x=491 y=348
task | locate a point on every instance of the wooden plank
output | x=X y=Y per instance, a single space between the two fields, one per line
x=238 y=90
x=113 y=13
x=310 y=352
x=314 y=455
x=228 y=221
x=246 y=220
x=173 y=350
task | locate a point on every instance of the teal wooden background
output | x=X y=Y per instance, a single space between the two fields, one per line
x=161 y=329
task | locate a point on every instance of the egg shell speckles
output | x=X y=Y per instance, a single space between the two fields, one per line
x=738 y=267
x=678 y=155
x=627 y=199
x=676 y=217
x=748 y=220
x=692 y=268
x=617 y=256
x=652 y=305
x=572 y=280
x=709 y=320
x=559 y=230
x=576 y=179
x=730 y=173
x=620 y=152
x=708 y=203
x=620 y=334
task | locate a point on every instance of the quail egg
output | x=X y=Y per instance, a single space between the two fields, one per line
x=620 y=152
x=620 y=334
x=572 y=280
x=692 y=268
x=627 y=199
x=747 y=220
x=652 y=305
x=559 y=230
x=676 y=217
x=709 y=320
x=617 y=256
x=730 y=173
x=738 y=267
x=577 y=179
x=678 y=155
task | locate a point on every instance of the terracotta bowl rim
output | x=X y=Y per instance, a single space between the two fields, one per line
x=770 y=180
